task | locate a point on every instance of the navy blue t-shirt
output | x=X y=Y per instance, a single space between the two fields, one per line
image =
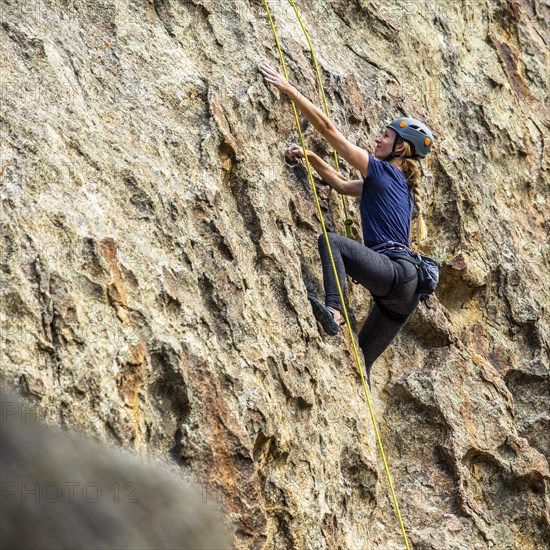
x=386 y=204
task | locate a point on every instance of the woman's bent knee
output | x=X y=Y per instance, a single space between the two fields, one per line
x=322 y=242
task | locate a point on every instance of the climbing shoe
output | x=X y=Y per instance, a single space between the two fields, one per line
x=324 y=315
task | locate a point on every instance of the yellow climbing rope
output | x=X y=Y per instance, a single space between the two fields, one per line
x=355 y=351
x=348 y=222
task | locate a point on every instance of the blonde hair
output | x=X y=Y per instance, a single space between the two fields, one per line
x=411 y=172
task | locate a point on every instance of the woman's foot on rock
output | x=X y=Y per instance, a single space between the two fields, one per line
x=324 y=315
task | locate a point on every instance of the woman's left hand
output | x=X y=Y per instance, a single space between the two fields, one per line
x=295 y=152
x=274 y=77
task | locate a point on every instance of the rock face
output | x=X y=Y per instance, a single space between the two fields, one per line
x=157 y=251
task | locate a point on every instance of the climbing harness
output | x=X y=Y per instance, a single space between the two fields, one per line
x=427 y=269
x=428 y=273
x=348 y=222
x=345 y=312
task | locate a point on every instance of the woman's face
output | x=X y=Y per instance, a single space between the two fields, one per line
x=384 y=144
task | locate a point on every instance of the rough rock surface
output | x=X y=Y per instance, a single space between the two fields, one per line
x=157 y=251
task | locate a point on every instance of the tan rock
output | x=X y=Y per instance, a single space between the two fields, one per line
x=157 y=251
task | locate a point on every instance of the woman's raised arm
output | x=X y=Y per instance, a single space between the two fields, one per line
x=356 y=156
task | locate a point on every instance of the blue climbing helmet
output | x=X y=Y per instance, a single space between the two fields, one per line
x=415 y=132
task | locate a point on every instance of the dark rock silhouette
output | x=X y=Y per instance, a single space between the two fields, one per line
x=60 y=491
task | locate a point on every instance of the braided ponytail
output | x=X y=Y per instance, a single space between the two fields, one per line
x=411 y=172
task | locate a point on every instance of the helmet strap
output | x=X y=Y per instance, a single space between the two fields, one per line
x=392 y=155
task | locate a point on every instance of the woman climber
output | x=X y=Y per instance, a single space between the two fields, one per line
x=388 y=189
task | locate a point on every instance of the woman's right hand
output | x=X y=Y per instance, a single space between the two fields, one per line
x=275 y=77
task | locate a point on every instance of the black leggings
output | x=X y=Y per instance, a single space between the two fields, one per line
x=392 y=282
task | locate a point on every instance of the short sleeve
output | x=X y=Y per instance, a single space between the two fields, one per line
x=375 y=171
